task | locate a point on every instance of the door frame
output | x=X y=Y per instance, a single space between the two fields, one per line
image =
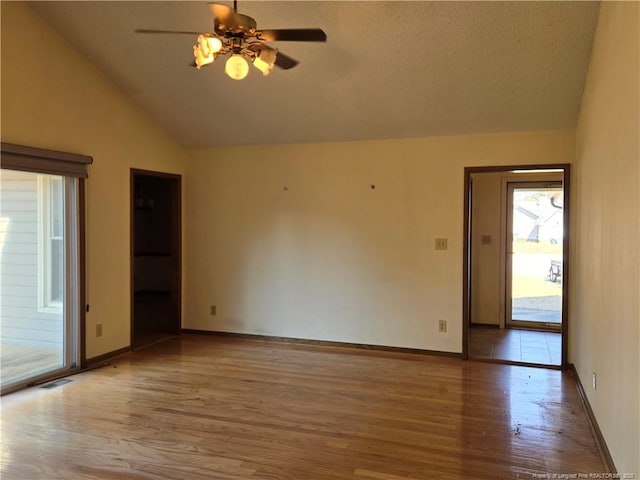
x=466 y=264
x=176 y=232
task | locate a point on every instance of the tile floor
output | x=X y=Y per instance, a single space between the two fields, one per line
x=528 y=346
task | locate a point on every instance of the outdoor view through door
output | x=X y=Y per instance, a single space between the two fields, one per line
x=38 y=259
x=534 y=255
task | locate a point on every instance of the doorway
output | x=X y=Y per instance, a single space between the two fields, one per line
x=515 y=259
x=156 y=283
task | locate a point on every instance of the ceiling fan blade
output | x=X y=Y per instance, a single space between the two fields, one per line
x=179 y=32
x=292 y=35
x=224 y=13
x=257 y=46
x=285 y=62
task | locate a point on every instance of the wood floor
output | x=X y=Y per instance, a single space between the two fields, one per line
x=205 y=407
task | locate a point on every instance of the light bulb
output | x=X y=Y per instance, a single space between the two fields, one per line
x=215 y=44
x=236 y=67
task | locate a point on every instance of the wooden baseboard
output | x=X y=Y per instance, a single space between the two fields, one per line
x=593 y=424
x=324 y=343
x=107 y=356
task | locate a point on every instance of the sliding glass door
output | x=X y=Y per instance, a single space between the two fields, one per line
x=39 y=276
x=534 y=255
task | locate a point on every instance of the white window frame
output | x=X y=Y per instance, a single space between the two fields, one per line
x=45 y=238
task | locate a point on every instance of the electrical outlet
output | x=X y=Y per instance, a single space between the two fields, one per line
x=441 y=243
x=213 y=310
x=594 y=380
x=99 y=330
x=442 y=326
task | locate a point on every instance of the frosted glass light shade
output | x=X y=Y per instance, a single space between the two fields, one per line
x=202 y=60
x=262 y=66
x=215 y=44
x=265 y=60
x=202 y=52
x=236 y=67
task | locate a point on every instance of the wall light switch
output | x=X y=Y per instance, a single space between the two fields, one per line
x=441 y=243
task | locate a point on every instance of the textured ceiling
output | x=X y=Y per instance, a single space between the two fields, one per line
x=388 y=69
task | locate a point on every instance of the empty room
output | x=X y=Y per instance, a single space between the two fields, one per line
x=404 y=246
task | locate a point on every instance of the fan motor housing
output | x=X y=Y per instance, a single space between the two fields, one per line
x=241 y=24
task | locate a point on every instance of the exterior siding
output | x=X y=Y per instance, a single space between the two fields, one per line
x=21 y=321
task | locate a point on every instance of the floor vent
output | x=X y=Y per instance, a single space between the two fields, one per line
x=57 y=383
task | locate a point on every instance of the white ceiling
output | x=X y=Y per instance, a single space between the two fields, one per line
x=388 y=69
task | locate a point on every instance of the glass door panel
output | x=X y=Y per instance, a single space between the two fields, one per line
x=534 y=255
x=37 y=279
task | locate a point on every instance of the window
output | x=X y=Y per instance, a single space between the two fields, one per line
x=50 y=242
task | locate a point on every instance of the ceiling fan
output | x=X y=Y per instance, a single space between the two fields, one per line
x=237 y=35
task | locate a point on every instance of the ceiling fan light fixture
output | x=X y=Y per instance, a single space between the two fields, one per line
x=208 y=44
x=204 y=51
x=264 y=61
x=214 y=44
x=202 y=60
x=263 y=66
x=237 y=35
x=236 y=67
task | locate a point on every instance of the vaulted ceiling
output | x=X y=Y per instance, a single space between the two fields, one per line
x=389 y=69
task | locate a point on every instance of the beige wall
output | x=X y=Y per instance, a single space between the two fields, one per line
x=331 y=258
x=605 y=274
x=52 y=97
x=487 y=290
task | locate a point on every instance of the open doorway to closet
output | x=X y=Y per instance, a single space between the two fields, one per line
x=516 y=253
x=155 y=257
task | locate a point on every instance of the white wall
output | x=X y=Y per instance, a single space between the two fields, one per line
x=331 y=258
x=604 y=308
x=52 y=97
